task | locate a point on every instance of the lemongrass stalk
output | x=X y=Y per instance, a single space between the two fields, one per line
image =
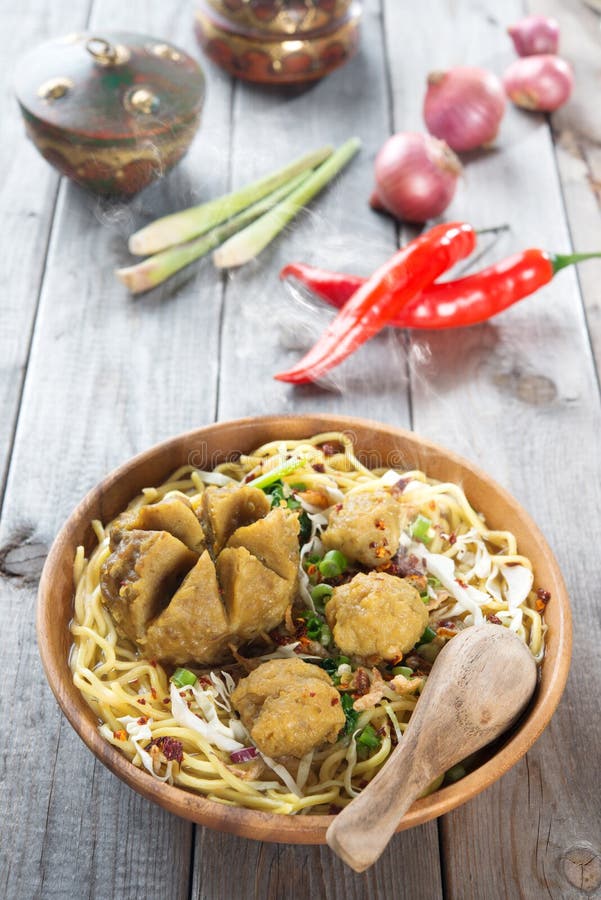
x=196 y=220
x=158 y=268
x=247 y=244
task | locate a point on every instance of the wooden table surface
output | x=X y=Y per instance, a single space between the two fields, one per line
x=91 y=377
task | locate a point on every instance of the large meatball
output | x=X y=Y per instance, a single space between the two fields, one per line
x=366 y=527
x=289 y=707
x=376 y=615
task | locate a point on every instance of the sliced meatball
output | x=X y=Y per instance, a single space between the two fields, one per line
x=174 y=515
x=255 y=597
x=193 y=627
x=273 y=540
x=289 y=707
x=366 y=527
x=140 y=576
x=376 y=615
x=226 y=509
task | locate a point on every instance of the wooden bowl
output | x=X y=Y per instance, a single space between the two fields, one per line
x=377 y=445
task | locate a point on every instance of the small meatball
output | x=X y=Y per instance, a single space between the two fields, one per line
x=175 y=516
x=289 y=707
x=226 y=509
x=376 y=615
x=255 y=597
x=366 y=527
x=273 y=540
x=139 y=578
x=193 y=628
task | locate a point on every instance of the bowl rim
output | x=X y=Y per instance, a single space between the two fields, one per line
x=251 y=823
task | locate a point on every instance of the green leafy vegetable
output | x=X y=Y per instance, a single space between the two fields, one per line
x=368 y=737
x=426 y=637
x=403 y=670
x=351 y=715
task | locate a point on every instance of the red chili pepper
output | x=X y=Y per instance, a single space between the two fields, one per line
x=383 y=296
x=465 y=301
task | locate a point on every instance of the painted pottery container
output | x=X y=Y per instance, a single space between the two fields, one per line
x=112 y=111
x=279 y=41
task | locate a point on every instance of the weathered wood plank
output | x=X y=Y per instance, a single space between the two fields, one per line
x=407 y=870
x=519 y=396
x=108 y=377
x=577 y=129
x=27 y=198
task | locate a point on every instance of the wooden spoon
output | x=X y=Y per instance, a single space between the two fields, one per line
x=480 y=683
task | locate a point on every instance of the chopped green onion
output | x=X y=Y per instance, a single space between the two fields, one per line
x=320 y=594
x=298 y=486
x=403 y=670
x=325 y=638
x=183 y=677
x=344 y=661
x=158 y=268
x=333 y=564
x=189 y=223
x=368 y=737
x=427 y=636
x=247 y=244
x=455 y=773
x=351 y=715
x=421 y=529
x=263 y=481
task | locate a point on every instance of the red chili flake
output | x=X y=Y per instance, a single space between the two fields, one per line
x=153 y=663
x=154 y=693
x=166 y=699
x=311 y=693
x=142 y=720
x=204 y=680
x=182 y=694
x=141 y=701
x=120 y=735
x=462 y=584
x=452 y=538
x=334 y=701
x=494 y=619
x=380 y=525
x=248 y=478
x=318 y=467
x=338 y=507
x=381 y=730
x=171 y=748
x=543 y=595
x=432 y=504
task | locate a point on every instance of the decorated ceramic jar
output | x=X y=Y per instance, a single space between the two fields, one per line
x=279 y=41
x=113 y=112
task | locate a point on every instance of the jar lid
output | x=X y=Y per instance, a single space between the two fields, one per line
x=109 y=86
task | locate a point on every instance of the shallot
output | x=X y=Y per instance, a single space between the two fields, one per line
x=534 y=35
x=416 y=177
x=539 y=82
x=464 y=106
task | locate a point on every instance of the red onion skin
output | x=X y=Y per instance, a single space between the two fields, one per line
x=416 y=177
x=542 y=83
x=534 y=35
x=464 y=107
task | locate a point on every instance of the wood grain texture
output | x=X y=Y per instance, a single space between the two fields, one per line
x=93 y=395
x=28 y=191
x=577 y=130
x=512 y=394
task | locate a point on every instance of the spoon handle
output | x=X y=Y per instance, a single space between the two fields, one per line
x=361 y=831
